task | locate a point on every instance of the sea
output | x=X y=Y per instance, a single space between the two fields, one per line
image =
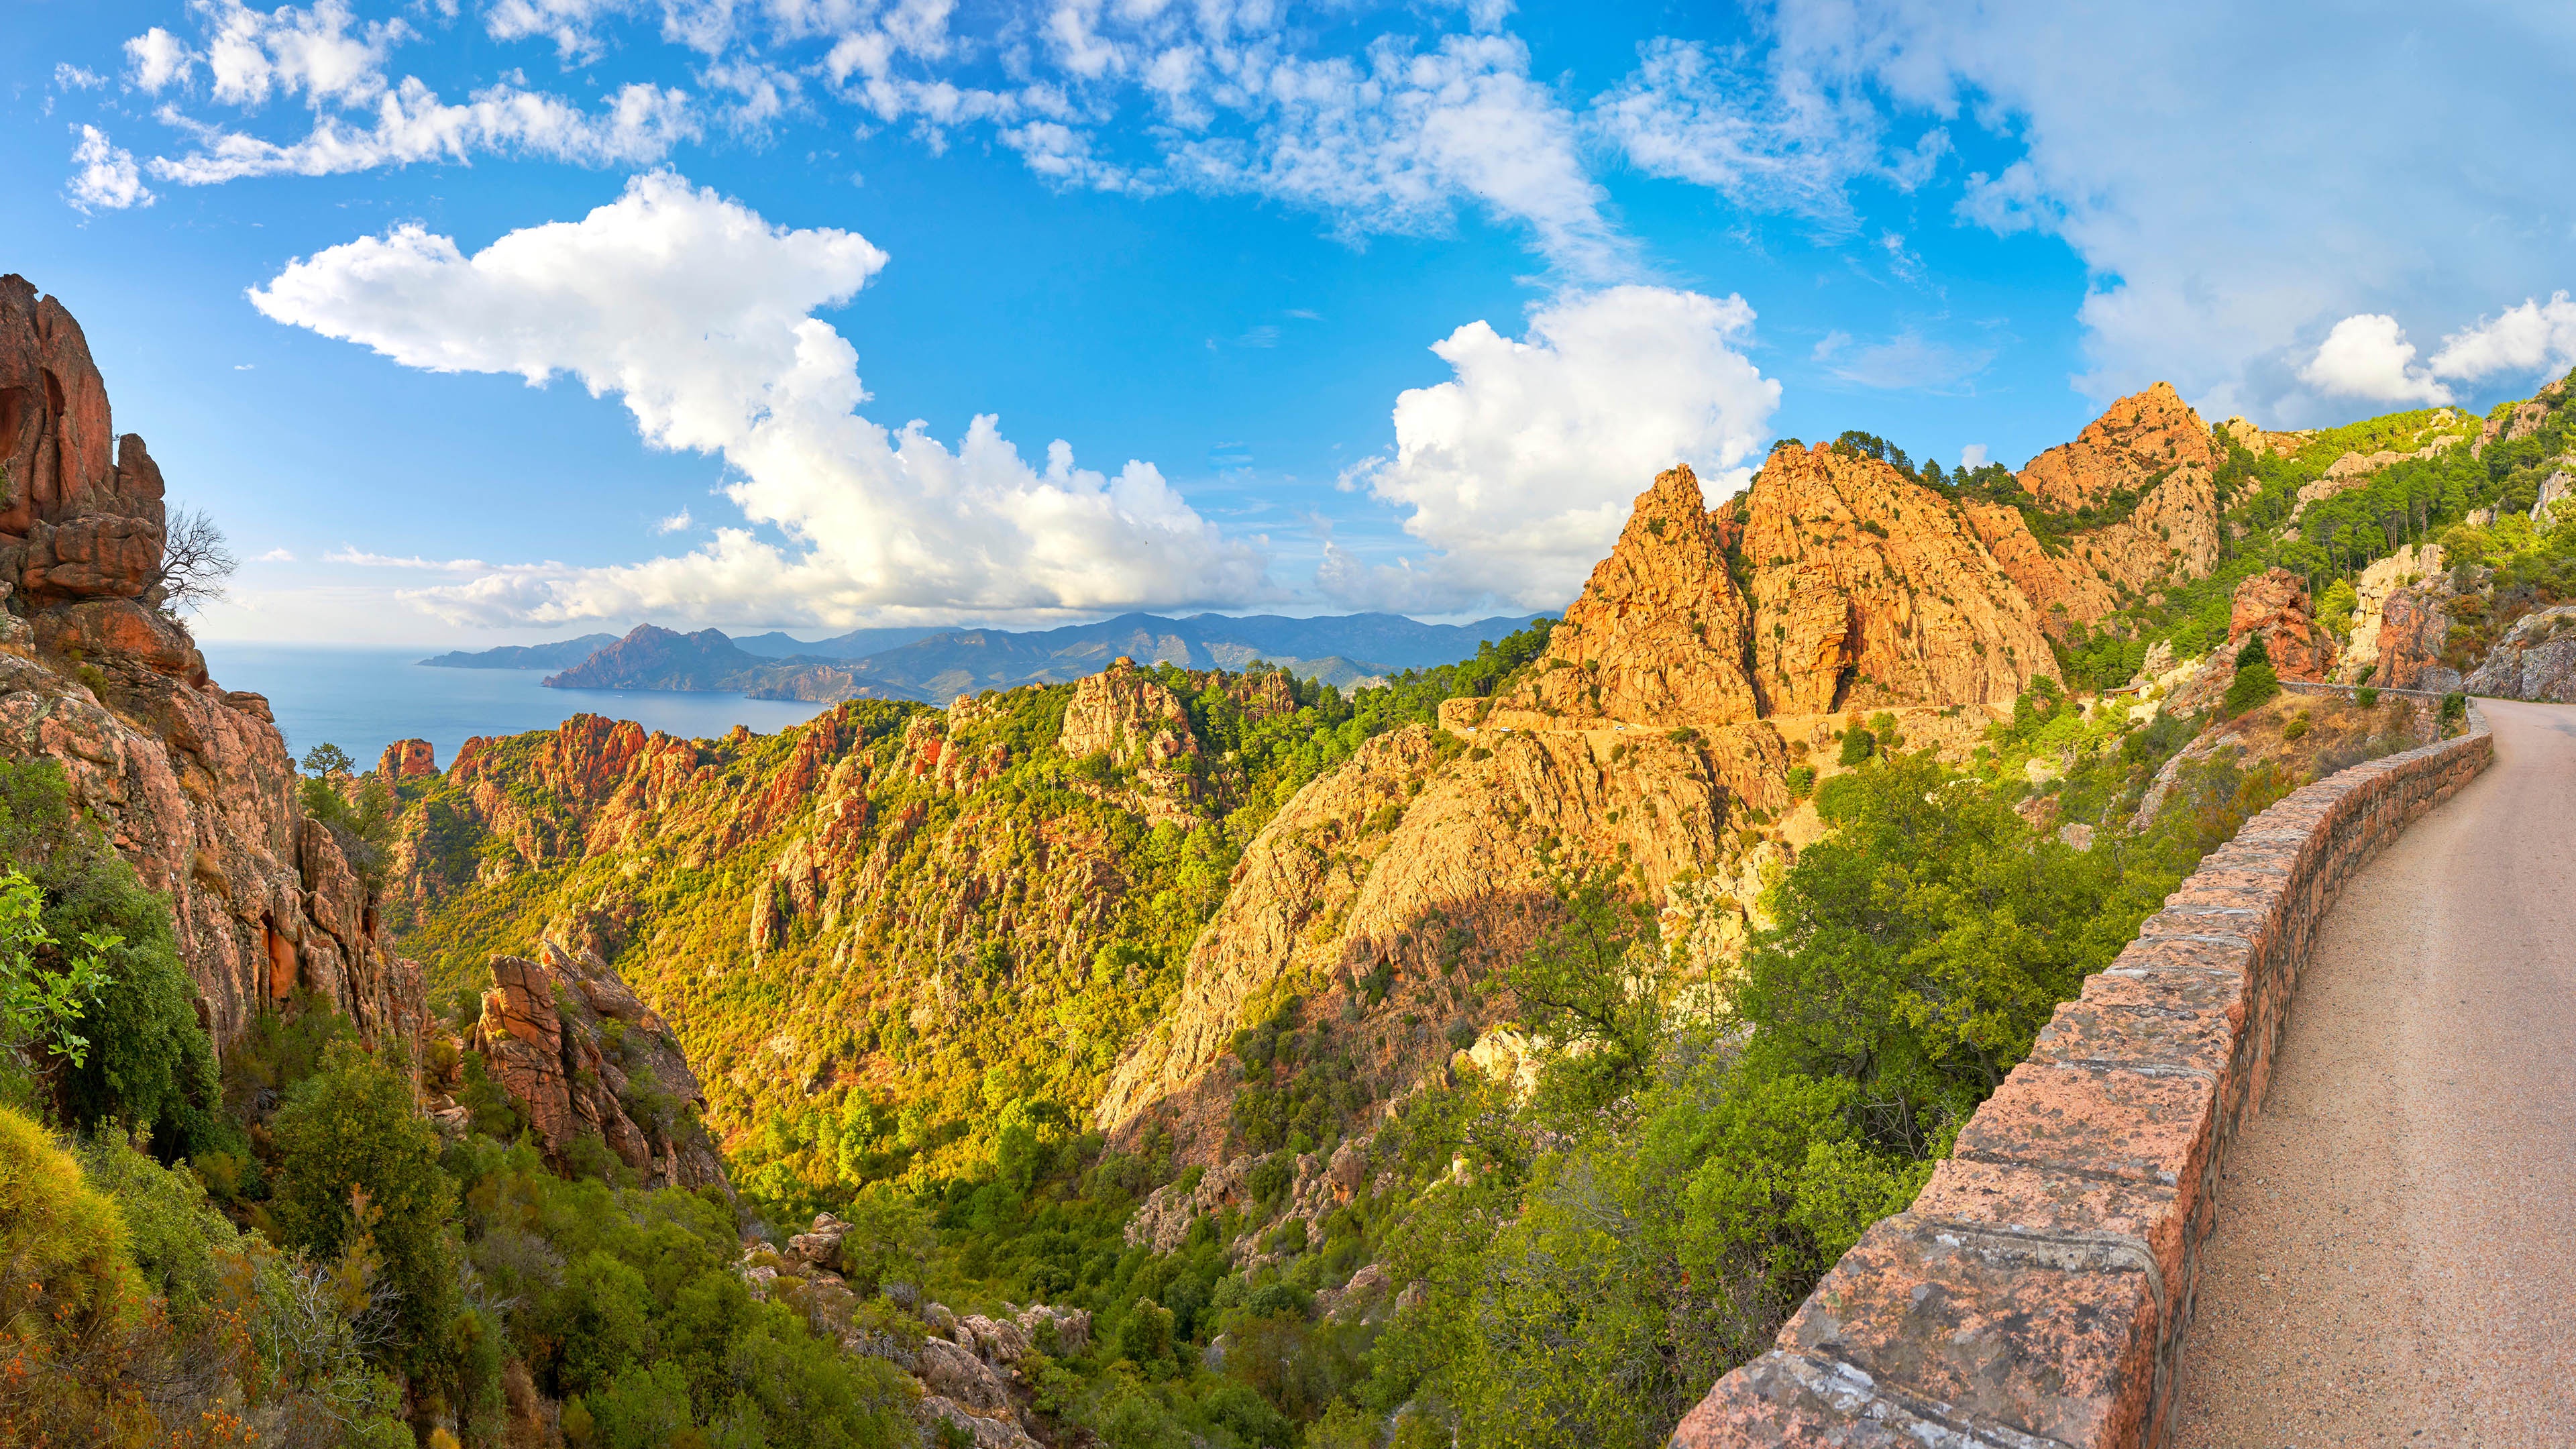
x=365 y=699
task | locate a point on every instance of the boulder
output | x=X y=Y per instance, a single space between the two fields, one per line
x=820 y=1245
x=1069 y=1329
x=988 y=1433
x=2536 y=660
x=953 y=1372
x=999 y=1342
x=104 y=630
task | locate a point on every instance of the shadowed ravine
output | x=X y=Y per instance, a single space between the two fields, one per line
x=2391 y=1263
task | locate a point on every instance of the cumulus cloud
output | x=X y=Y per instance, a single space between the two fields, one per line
x=2534 y=337
x=70 y=77
x=107 y=179
x=1520 y=471
x=159 y=60
x=676 y=523
x=2226 y=206
x=2368 y=356
x=697 y=314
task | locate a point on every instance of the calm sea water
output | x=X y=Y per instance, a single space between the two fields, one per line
x=365 y=699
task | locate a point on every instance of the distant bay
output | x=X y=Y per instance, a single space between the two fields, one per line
x=365 y=699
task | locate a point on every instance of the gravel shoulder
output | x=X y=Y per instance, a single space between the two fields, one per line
x=2395 y=1255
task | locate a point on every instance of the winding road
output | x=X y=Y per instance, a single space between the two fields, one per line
x=2395 y=1255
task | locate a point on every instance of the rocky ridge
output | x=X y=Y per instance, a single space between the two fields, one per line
x=192 y=781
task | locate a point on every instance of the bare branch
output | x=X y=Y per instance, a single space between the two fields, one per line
x=195 y=561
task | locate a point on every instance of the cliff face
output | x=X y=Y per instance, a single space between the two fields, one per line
x=193 y=782
x=1872 y=590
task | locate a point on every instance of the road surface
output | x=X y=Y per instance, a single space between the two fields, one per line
x=2395 y=1255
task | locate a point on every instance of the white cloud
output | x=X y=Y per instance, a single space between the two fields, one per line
x=1973 y=456
x=2223 y=203
x=2368 y=356
x=70 y=77
x=676 y=523
x=1767 y=140
x=1389 y=144
x=275 y=555
x=2534 y=337
x=107 y=179
x=361 y=558
x=639 y=124
x=698 y=315
x=570 y=24
x=321 y=53
x=1520 y=471
x=159 y=60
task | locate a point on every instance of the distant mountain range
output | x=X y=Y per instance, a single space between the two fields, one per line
x=530 y=656
x=937 y=665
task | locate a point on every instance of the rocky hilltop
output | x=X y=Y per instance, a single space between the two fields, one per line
x=192 y=781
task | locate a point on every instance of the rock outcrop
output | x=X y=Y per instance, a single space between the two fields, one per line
x=2275 y=604
x=192 y=781
x=1871 y=590
x=2413 y=631
x=582 y=1058
x=2536 y=660
x=2152 y=448
x=2407 y=568
x=2141 y=439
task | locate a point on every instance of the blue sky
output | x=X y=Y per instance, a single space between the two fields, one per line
x=1193 y=261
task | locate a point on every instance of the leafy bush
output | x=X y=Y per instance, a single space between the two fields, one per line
x=1858 y=745
x=148 y=1065
x=2366 y=697
x=2253 y=685
x=355 y=1160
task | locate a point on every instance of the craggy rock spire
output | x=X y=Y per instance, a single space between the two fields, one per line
x=192 y=783
x=2151 y=446
x=1659 y=635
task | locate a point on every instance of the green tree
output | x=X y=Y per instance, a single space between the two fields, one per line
x=148 y=1064
x=1597 y=977
x=328 y=759
x=348 y=1130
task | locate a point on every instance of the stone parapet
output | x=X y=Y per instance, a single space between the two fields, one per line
x=2037 y=1293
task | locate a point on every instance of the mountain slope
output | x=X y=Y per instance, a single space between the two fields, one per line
x=557 y=655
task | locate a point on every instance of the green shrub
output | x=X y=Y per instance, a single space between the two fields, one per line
x=149 y=1064
x=348 y=1134
x=2455 y=711
x=1802 y=782
x=2297 y=727
x=2366 y=697
x=2253 y=685
x=2254 y=651
x=1858 y=745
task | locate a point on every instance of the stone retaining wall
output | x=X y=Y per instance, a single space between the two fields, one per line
x=2037 y=1292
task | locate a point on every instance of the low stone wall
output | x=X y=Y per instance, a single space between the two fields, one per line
x=2037 y=1292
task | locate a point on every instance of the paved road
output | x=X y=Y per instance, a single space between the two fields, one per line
x=2395 y=1257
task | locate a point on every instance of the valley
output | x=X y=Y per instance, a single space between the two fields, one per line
x=1493 y=1048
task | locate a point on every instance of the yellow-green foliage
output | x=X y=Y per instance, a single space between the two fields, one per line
x=62 y=1246
x=68 y=1292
